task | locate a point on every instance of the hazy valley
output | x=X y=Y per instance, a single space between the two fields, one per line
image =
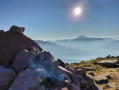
x=81 y=48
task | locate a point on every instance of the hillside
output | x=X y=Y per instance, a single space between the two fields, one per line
x=103 y=71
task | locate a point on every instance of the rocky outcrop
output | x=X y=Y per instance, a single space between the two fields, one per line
x=17 y=29
x=26 y=67
x=11 y=43
x=43 y=73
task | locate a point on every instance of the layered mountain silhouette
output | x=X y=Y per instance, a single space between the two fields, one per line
x=84 y=38
x=81 y=48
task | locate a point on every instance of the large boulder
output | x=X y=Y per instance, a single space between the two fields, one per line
x=7 y=77
x=27 y=80
x=11 y=43
x=44 y=61
x=22 y=60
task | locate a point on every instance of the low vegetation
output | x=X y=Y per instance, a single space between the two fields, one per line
x=94 y=69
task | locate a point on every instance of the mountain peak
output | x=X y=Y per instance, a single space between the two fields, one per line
x=81 y=36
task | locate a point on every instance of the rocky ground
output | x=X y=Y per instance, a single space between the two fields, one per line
x=103 y=71
x=25 y=66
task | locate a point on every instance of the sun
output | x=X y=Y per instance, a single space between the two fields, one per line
x=77 y=11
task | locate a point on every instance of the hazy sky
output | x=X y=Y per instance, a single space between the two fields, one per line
x=55 y=19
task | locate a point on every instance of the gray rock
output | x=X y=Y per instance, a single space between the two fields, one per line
x=26 y=80
x=81 y=80
x=106 y=87
x=63 y=77
x=44 y=60
x=41 y=87
x=17 y=29
x=22 y=60
x=81 y=72
x=75 y=81
x=60 y=63
x=33 y=49
x=61 y=70
x=91 y=73
x=109 y=63
x=72 y=70
x=7 y=76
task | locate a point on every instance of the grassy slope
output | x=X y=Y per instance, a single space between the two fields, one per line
x=113 y=72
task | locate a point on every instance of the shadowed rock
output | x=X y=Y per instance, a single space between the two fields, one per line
x=17 y=29
x=7 y=76
x=12 y=43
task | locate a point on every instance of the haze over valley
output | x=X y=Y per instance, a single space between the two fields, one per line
x=81 y=48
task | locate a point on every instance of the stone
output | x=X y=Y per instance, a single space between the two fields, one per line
x=41 y=87
x=67 y=85
x=81 y=80
x=89 y=78
x=1 y=31
x=43 y=60
x=63 y=77
x=81 y=72
x=22 y=60
x=7 y=76
x=42 y=73
x=61 y=63
x=11 y=44
x=75 y=81
x=59 y=88
x=72 y=70
x=109 y=77
x=33 y=49
x=111 y=84
x=101 y=80
x=17 y=29
x=4 y=88
x=61 y=70
x=26 y=80
x=91 y=73
x=106 y=87
x=64 y=88
x=109 y=63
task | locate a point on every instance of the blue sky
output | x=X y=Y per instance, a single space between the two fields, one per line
x=53 y=19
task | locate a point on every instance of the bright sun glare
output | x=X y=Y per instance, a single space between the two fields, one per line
x=77 y=11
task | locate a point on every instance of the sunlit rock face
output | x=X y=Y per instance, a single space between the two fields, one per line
x=11 y=43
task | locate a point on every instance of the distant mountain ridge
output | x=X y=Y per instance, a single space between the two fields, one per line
x=84 y=38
